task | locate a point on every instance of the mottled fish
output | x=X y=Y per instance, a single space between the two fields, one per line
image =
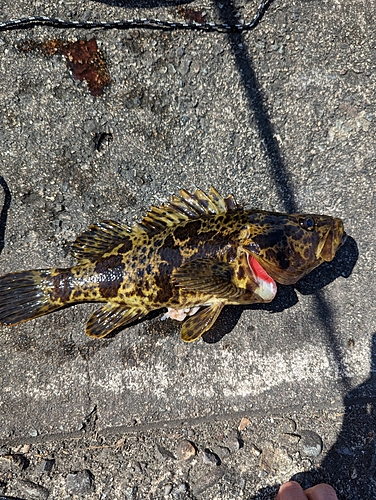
x=193 y=256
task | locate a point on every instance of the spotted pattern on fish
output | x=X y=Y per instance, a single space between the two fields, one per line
x=198 y=252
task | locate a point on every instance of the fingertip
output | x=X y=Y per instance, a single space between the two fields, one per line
x=291 y=491
x=321 y=492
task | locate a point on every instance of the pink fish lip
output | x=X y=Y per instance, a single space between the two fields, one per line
x=267 y=287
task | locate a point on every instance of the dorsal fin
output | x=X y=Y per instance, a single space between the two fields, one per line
x=185 y=207
x=98 y=239
x=106 y=235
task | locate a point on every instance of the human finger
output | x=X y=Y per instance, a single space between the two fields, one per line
x=291 y=491
x=321 y=492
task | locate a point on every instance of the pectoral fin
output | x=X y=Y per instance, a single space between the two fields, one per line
x=207 y=276
x=109 y=317
x=200 y=323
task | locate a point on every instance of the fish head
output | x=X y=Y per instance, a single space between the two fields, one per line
x=290 y=246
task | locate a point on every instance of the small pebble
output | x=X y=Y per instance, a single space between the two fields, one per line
x=25 y=448
x=244 y=423
x=184 y=67
x=16 y=459
x=310 y=444
x=179 y=490
x=130 y=492
x=185 y=450
x=221 y=451
x=210 y=458
x=255 y=450
x=46 y=465
x=80 y=483
x=162 y=453
x=353 y=473
x=232 y=442
x=267 y=458
x=287 y=425
x=33 y=491
x=167 y=489
x=137 y=467
x=344 y=450
x=208 y=479
x=289 y=440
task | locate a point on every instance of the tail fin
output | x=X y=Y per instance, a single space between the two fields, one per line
x=24 y=295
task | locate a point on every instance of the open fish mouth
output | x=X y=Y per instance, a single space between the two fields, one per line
x=334 y=239
x=266 y=286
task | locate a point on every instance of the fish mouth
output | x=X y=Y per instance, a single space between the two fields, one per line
x=266 y=286
x=334 y=239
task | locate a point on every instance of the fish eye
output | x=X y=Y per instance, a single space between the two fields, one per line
x=308 y=223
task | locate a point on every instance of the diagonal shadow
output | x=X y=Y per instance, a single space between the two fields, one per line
x=350 y=464
x=347 y=457
x=256 y=104
x=277 y=168
x=4 y=211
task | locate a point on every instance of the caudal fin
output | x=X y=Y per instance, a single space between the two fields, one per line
x=24 y=295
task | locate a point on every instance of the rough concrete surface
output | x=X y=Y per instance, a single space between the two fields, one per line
x=284 y=118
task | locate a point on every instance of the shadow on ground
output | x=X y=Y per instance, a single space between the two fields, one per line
x=4 y=211
x=350 y=465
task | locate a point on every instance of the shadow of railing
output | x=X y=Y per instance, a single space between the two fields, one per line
x=350 y=465
x=256 y=103
x=4 y=211
x=346 y=461
x=277 y=170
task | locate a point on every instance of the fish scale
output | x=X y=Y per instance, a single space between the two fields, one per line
x=192 y=256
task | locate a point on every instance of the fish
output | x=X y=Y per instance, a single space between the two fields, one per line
x=191 y=257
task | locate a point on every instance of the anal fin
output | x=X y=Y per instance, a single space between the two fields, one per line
x=109 y=317
x=200 y=323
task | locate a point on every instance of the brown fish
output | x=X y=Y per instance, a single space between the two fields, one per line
x=192 y=256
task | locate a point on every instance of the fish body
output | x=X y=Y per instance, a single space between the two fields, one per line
x=192 y=256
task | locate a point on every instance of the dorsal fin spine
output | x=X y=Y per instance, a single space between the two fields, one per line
x=106 y=235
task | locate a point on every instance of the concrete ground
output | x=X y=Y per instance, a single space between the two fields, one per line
x=284 y=118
